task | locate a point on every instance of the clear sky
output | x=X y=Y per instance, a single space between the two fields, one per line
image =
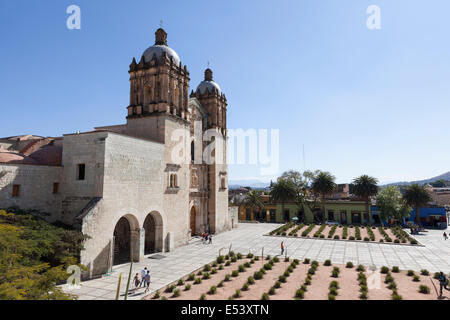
x=361 y=101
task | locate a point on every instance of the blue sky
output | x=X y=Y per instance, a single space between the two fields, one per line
x=361 y=101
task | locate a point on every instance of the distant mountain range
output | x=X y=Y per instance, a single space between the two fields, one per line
x=256 y=184
x=444 y=176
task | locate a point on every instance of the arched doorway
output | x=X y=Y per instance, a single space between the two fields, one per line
x=153 y=226
x=193 y=221
x=123 y=239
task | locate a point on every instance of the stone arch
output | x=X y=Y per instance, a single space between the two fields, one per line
x=126 y=244
x=153 y=226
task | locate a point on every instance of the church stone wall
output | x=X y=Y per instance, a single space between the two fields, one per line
x=87 y=149
x=132 y=188
x=36 y=188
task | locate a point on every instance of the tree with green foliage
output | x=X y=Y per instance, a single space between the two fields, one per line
x=282 y=191
x=391 y=205
x=417 y=196
x=323 y=185
x=302 y=183
x=253 y=200
x=34 y=256
x=365 y=187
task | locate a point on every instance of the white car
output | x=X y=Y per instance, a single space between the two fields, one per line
x=331 y=223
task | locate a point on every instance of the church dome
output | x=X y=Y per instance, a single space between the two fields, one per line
x=159 y=47
x=208 y=85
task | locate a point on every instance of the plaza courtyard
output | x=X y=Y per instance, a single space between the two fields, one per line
x=167 y=268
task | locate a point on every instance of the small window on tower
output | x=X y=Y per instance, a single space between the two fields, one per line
x=222 y=183
x=81 y=174
x=16 y=190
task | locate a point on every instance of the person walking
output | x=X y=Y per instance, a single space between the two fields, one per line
x=137 y=282
x=143 y=273
x=282 y=247
x=445 y=236
x=147 y=282
x=210 y=239
x=442 y=283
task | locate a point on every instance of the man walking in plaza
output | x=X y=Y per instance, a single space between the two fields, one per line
x=442 y=283
x=147 y=281
x=445 y=235
x=210 y=239
x=143 y=273
x=282 y=247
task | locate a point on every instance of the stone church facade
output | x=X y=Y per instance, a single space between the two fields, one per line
x=137 y=188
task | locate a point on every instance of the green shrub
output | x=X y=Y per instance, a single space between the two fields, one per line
x=331 y=297
x=268 y=266
x=265 y=296
x=388 y=279
x=200 y=273
x=247 y=264
x=436 y=275
x=241 y=268
x=227 y=277
x=233 y=259
x=384 y=270
x=351 y=238
x=275 y=259
x=416 y=278
x=424 y=272
x=410 y=273
x=176 y=293
x=311 y=271
x=282 y=279
x=212 y=290
x=424 y=289
x=206 y=275
x=213 y=271
x=235 y=273
x=333 y=291
x=207 y=267
x=299 y=294
x=272 y=291
x=395 y=269
x=336 y=237
x=170 y=288
x=277 y=284
x=334 y=284
x=157 y=295
x=397 y=297
x=198 y=281
x=306 y=261
x=203 y=296
x=349 y=265
x=220 y=259
x=327 y=263
x=220 y=285
x=363 y=296
x=191 y=277
x=245 y=287
x=258 y=275
x=239 y=256
x=250 y=280
x=180 y=282
x=237 y=294
x=307 y=282
x=361 y=268
x=315 y=263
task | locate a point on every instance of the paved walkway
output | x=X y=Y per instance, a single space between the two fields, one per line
x=434 y=256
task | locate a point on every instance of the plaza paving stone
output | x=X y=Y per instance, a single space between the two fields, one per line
x=250 y=237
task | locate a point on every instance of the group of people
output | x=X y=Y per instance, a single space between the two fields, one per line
x=143 y=280
x=206 y=238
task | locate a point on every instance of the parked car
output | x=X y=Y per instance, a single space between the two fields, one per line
x=331 y=223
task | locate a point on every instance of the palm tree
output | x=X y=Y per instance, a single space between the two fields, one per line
x=253 y=200
x=323 y=184
x=282 y=191
x=417 y=196
x=365 y=187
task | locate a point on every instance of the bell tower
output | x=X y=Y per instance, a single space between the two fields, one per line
x=159 y=83
x=214 y=101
